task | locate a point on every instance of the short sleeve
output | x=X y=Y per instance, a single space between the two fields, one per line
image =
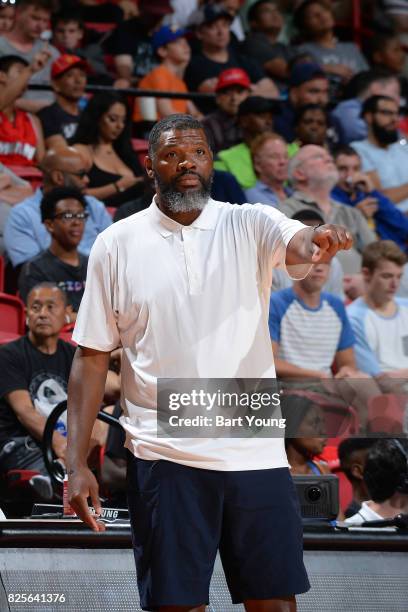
x=277 y=308
x=12 y=371
x=365 y=357
x=96 y=324
x=273 y=232
x=20 y=236
x=367 y=163
x=49 y=122
x=347 y=338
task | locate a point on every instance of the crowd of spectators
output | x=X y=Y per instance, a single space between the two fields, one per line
x=303 y=113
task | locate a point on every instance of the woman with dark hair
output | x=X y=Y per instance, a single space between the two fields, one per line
x=305 y=436
x=103 y=137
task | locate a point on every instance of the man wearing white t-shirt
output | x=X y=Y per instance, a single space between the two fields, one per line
x=380 y=319
x=184 y=288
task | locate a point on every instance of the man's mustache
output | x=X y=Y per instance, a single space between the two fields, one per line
x=202 y=180
x=187 y=173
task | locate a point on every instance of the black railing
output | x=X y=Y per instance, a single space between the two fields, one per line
x=137 y=93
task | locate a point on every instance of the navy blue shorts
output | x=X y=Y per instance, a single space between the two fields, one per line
x=181 y=516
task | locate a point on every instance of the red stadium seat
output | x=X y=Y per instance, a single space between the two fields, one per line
x=101 y=28
x=12 y=314
x=2 y=273
x=29 y=173
x=141 y=147
x=6 y=337
x=356 y=23
x=386 y=413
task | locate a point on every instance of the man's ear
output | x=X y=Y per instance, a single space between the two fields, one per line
x=162 y=52
x=366 y=274
x=255 y=163
x=3 y=78
x=298 y=175
x=148 y=164
x=49 y=225
x=357 y=471
x=68 y=313
x=293 y=95
x=55 y=86
x=57 y=177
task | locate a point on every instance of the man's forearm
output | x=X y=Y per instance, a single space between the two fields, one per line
x=85 y=394
x=284 y=369
x=402 y=374
x=34 y=423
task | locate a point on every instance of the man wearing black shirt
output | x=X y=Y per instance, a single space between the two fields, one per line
x=59 y=120
x=266 y=22
x=213 y=31
x=63 y=212
x=130 y=43
x=34 y=372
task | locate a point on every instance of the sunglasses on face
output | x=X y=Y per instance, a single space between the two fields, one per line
x=81 y=174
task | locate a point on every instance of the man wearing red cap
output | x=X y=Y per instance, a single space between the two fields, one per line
x=59 y=120
x=221 y=126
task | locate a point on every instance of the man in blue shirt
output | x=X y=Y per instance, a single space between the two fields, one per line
x=24 y=234
x=346 y=117
x=270 y=159
x=384 y=154
x=356 y=189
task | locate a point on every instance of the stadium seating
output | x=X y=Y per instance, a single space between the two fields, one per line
x=12 y=317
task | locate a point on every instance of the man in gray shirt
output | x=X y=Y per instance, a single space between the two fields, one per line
x=313 y=174
x=32 y=18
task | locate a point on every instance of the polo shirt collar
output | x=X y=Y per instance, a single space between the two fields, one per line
x=167 y=226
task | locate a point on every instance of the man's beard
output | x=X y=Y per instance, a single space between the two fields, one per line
x=384 y=136
x=179 y=202
x=329 y=179
x=70 y=182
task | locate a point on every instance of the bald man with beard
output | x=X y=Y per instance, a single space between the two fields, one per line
x=25 y=236
x=313 y=174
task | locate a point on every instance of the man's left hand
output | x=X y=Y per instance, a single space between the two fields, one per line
x=327 y=240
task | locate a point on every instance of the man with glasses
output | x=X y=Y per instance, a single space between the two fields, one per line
x=63 y=212
x=383 y=153
x=24 y=234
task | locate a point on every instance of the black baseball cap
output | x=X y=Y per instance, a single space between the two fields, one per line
x=304 y=72
x=258 y=104
x=208 y=14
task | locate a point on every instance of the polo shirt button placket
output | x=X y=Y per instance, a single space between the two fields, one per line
x=189 y=251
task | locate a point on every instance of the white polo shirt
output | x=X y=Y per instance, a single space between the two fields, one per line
x=187 y=302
